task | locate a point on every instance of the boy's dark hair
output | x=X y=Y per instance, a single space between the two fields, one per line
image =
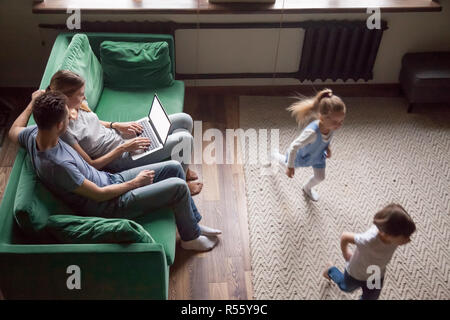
x=394 y=221
x=49 y=109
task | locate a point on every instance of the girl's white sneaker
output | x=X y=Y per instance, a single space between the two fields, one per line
x=313 y=195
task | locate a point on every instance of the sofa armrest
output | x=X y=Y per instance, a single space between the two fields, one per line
x=106 y=271
x=7 y=203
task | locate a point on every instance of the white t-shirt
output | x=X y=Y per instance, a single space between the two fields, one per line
x=370 y=250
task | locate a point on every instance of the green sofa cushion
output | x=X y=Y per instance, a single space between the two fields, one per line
x=77 y=229
x=34 y=203
x=136 y=64
x=80 y=59
x=130 y=105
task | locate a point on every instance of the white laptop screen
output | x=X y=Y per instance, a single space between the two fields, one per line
x=159 y=119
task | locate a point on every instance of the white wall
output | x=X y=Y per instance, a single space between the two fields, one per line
x=23 y=57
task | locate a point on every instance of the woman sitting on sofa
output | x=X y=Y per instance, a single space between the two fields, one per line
x=107 y=145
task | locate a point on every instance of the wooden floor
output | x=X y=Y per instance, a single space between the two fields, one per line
x=224 y=272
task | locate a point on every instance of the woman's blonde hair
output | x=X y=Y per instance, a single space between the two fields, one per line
x=67 y=83
x=324 y=102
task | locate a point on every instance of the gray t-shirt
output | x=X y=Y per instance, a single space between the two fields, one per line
x=62 y=170
x=370 y=250
x=94 y=138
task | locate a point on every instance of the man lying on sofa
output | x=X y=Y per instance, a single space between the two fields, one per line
x=126 y=194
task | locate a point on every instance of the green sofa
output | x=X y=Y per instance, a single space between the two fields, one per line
x=38 y=269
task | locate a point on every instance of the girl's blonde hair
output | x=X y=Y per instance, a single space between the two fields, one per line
x=309 y=109
x=67 y=82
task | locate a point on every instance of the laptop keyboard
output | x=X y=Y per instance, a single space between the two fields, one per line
x=148 y=133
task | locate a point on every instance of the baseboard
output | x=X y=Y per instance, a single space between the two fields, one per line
x=345 y=90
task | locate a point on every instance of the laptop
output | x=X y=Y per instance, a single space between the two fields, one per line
x=156 y=128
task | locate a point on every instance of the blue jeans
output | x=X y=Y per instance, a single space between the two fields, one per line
x=349 y=284
x=169 y=189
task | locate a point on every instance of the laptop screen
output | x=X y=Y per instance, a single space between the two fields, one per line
x=159 y=119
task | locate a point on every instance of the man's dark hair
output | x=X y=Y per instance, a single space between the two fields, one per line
x=394 y=221
x=49 y=109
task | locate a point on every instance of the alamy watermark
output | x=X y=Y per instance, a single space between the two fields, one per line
x=229 y=146
x=374 y=20
x=74 y=20
x=74 y=280
x=374 y=280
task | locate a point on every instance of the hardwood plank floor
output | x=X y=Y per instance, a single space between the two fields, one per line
x=219 y=290
x=4 y=175
x=224 y=272
x=8 y=153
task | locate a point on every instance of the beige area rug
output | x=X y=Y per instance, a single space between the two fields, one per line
x=381 y=155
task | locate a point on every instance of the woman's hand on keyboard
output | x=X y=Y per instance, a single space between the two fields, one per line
x=128 y=128
x=135 y=144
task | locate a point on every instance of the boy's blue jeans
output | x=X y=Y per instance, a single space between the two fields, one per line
x=349 y=284
x=169 y=189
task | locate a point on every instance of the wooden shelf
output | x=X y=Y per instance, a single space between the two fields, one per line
x=204 y=7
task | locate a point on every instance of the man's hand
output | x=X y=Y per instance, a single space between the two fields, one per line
x=135 y=144
x=36 y=94
x=21 y=122
x=144 y=178
x=290 y=172
x=328 y=152
x=128 y=128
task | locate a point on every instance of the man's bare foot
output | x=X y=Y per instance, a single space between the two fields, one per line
x=195 y=187
x=191 y=175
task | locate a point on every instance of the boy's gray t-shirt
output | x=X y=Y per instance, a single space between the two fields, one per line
x=91 y=135
x=370 y=251
x=62 y=170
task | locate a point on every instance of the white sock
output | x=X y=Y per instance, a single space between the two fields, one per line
x=207 y=231
x=201 y=243
x=319 y=176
